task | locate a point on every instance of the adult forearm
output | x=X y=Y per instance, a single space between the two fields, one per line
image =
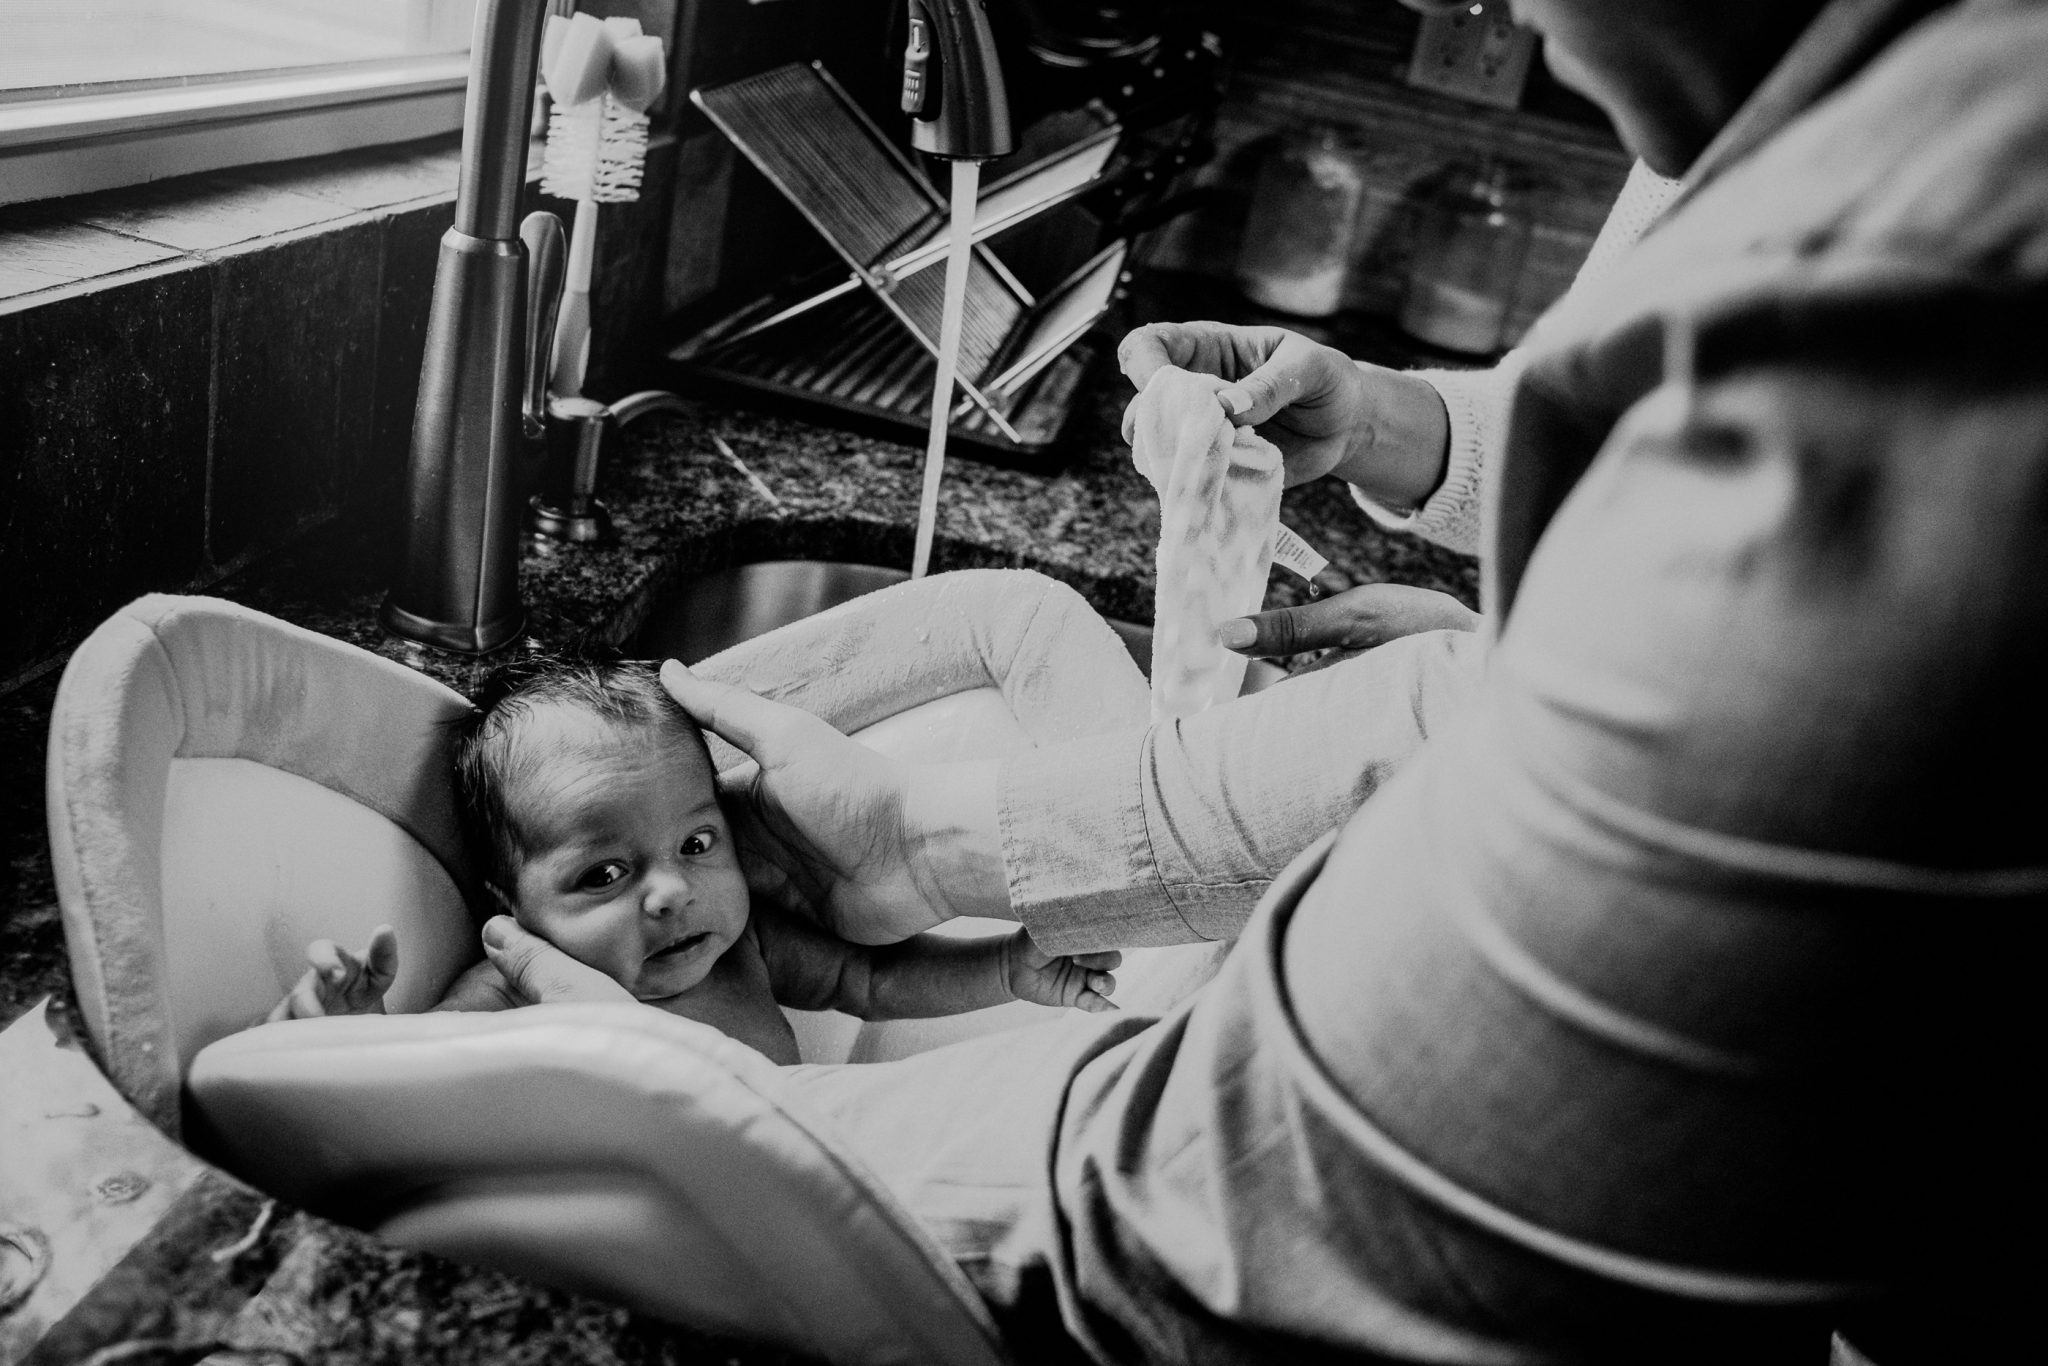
x=950 y=817
x=1476 y=404
x=1400 y=445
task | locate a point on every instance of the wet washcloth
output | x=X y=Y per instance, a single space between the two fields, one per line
x=1219 y=510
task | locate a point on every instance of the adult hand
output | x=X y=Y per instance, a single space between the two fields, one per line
x=1353 y=620
x=538 y=973
x=1380 y=429
x=824 y=825
x=522 y=969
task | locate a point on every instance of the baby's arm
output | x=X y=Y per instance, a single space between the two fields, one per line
x=338 y=982
x=923 y=975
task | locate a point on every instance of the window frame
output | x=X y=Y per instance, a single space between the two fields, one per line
x=97 y=139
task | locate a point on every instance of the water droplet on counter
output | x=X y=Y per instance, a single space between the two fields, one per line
x=121 y=1187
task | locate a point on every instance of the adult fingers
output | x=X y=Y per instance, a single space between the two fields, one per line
x=1405 y=609
x=1356 y=619
x=1295 y=370
x=1146 y=350
x=753 y=725
x=540 y=973
x=1225 y=350
x=1288 y=630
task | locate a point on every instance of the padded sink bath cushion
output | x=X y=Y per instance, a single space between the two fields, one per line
x=610 y=1149
x=1219 y=513
x=225 y=787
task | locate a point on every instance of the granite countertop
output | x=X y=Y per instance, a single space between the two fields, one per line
x=204 y=1262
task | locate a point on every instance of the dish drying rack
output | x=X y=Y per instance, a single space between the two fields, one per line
x=867 y=343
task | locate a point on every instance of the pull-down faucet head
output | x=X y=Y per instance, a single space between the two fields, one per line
x=953 y=83
x=458 y=583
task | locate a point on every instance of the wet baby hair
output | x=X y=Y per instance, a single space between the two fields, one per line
x=491 y=760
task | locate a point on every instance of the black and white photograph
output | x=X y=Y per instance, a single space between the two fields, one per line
x=1022 y=682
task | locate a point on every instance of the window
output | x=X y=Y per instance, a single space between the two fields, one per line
x=95 y=93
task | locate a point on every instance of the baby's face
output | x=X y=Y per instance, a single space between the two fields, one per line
x=631 y=867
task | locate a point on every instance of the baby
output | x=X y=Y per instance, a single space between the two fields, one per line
x=591 y=805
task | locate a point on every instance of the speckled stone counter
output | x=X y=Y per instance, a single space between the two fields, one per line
x=682 y=508
x=222 y=1271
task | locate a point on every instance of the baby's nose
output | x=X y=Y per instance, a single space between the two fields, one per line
x=668 y=891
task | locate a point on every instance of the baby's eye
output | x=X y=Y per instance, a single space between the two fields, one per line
x=600 y=877
x=700 y=842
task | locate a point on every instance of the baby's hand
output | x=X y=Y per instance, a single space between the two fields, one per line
x=1056 y=980
x=340 y=983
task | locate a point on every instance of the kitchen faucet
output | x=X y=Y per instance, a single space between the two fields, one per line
x=482 y=395
x=458 y=581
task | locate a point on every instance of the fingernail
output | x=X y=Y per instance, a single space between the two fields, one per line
x=674 y=666
x=1236 y=400
x=494 y=931
x=1236 y=634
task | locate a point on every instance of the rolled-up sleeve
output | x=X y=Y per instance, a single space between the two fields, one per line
x=1171 y=834
x=1476 y=402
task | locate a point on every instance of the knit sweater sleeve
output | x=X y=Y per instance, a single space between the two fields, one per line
x=1477 y=401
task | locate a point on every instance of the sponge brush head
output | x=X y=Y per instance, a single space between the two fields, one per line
x=584 y=57
x=576 y=58
x=639 y=70
x=602 y=73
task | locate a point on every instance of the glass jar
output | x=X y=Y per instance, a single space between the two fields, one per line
x=1297 y=244
x=1471 y=244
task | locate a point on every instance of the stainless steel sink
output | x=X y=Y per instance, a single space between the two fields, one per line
x=710 y=613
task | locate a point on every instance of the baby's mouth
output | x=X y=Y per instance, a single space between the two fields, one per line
x=679 y=948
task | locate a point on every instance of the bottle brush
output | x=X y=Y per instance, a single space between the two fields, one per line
x=601 y=75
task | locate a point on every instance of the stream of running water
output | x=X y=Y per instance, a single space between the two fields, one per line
x=959 y=247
